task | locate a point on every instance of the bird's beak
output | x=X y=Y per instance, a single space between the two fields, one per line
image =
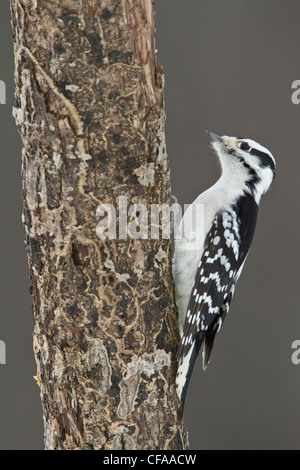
x=214 y=137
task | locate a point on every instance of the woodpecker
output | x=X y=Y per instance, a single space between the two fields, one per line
x=210 y=254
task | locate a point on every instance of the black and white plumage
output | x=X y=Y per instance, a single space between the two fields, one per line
x=211 y=253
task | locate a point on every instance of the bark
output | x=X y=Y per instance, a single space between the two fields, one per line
x=90 y=112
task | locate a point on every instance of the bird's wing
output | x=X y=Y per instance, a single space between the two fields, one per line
x=226 y=247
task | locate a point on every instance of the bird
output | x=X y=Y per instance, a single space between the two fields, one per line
x=215 y=238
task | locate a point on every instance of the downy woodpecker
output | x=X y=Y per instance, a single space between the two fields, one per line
x=211 y=253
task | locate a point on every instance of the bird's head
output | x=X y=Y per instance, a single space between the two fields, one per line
x=247 y=161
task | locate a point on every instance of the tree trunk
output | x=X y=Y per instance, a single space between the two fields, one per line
x=89 y=108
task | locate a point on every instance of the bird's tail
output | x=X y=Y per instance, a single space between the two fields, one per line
x=186 y=365
x=187 y=357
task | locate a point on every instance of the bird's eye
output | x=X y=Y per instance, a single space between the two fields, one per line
x=244 y=146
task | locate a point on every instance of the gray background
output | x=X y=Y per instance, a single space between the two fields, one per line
x=229 y=66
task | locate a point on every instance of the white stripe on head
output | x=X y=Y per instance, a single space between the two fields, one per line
x=255 y=145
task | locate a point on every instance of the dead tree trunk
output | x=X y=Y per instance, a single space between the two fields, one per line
x=89 y=108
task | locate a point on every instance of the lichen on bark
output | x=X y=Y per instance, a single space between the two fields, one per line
x=90 y=111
